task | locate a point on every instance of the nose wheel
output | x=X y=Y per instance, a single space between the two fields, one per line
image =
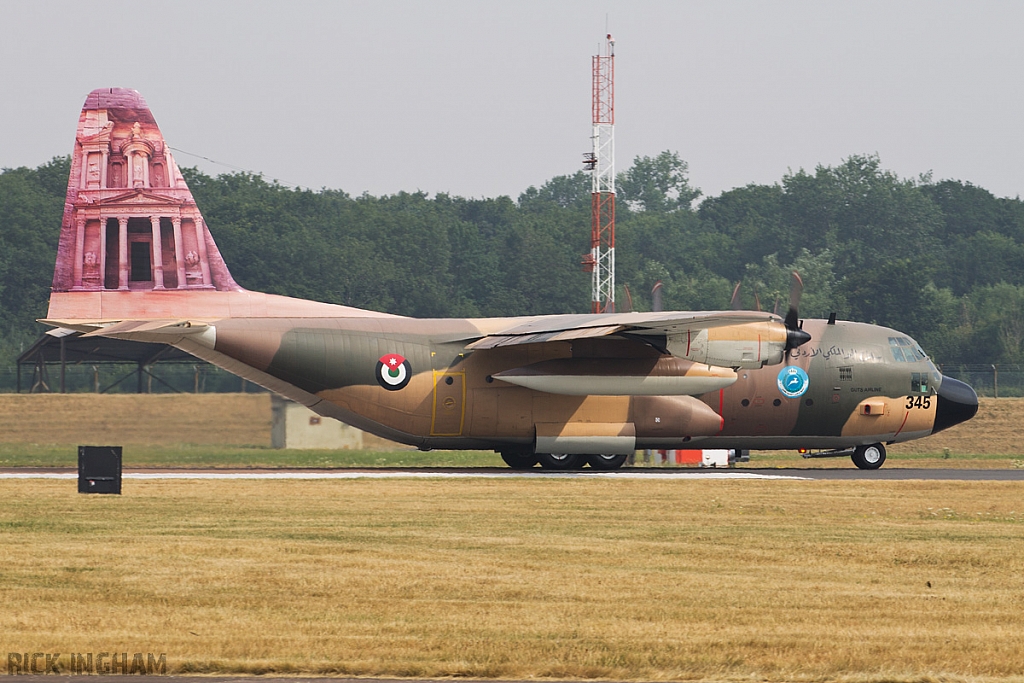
x=869 y=457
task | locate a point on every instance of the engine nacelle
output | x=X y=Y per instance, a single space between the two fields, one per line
x=750 y=345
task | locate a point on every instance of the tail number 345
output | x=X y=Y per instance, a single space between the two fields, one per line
x=923 y=402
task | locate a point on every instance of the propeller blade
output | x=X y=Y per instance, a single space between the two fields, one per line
x=734 y=302
x=796 y=288
x=656 y=303
x=794 y=335
x=757 y=301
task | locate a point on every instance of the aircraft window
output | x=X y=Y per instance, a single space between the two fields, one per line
x=919 y=382
x=906 y=350
x=897 y=352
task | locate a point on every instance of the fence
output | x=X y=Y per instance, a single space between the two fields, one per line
x=121 y=378
x=989 y=380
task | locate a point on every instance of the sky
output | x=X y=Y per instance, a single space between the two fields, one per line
x=481 y=98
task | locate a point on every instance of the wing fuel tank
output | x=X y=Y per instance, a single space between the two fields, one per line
x=665 y=376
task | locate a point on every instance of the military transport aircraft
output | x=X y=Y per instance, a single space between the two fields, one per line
x=137 y=261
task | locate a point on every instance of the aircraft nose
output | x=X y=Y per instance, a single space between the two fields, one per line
x=957 y=402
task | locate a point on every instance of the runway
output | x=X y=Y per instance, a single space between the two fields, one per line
x=793 y=474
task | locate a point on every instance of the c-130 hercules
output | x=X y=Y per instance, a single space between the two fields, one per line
x=136 y=261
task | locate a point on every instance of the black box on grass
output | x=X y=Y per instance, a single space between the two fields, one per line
x=99 y=469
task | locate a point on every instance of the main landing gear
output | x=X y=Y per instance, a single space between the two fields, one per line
x=524 y=460
x=519 y=460
x=869 y=457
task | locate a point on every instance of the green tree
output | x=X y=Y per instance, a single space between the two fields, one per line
x=31 y=208
x=656 y=184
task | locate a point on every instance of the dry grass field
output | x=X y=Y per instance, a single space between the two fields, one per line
x=136 y=419
x=622 y=579
x=997 y=429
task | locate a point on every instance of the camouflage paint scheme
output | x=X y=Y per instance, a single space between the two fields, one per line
x=433 y=383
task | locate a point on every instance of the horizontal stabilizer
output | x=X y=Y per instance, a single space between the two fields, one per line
x=160 y=331
x=149 y=327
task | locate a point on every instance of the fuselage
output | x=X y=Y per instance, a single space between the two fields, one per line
x=599 y=385
x=852 y=384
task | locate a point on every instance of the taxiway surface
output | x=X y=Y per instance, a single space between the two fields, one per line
x=884 y=474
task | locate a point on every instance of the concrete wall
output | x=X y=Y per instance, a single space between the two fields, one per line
x=296 y=426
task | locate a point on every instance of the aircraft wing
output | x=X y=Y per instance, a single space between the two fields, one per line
x=569 y=327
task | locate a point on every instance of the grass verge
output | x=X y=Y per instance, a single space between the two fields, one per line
x=196 y=455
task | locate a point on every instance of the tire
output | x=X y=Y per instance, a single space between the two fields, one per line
x=561 y=461
x=869 y=457
x=519 y=460
x=606 y=462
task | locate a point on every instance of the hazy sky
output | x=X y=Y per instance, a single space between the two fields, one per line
x=487 y=98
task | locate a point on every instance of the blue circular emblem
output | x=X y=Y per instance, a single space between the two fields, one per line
x=793 y=381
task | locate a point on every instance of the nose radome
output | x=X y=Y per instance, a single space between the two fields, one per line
x=957 y=402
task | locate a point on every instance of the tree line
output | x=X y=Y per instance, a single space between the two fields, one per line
x=942 y=261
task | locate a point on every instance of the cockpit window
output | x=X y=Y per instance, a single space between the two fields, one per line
x=905 y=350
x=919 y=382
x=897 y=352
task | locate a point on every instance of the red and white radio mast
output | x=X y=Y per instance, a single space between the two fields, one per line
x=601 y=163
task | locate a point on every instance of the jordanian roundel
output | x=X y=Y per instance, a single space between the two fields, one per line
x=393 y=371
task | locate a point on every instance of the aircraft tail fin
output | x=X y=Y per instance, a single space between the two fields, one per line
x=133 y=244
x=130 y=221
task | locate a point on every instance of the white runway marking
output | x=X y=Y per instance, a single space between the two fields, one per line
x=413 y=475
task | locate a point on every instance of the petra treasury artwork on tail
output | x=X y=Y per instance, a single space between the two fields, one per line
x=137 y=261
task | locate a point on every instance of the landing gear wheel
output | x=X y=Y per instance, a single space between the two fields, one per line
x=519 y=460
x=561 y=461
x=869 y=457
x=606 y=462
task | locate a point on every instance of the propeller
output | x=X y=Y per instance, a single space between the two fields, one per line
x=794 y=335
